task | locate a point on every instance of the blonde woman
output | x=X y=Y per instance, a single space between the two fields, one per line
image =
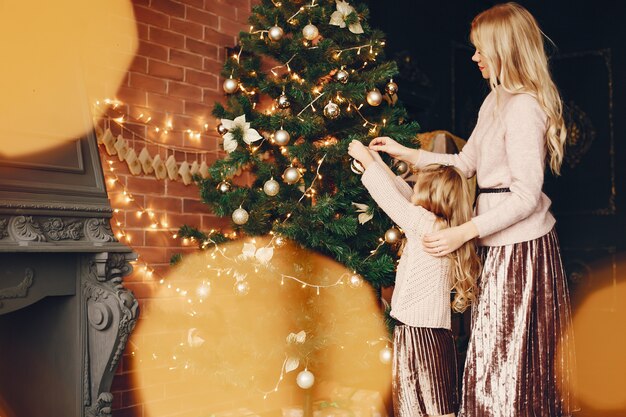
x=520 y=354
x=424 y=359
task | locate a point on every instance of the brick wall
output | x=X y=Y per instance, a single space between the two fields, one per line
x=174 y=76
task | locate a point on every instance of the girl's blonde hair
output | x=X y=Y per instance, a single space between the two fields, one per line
x=445 y=192
x=510 y=42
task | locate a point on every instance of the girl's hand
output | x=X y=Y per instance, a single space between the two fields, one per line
x=446 y=241
x=359 y=152
x=377 y=157
x=390 y=146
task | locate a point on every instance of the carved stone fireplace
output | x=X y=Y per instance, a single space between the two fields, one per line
x=65 y=317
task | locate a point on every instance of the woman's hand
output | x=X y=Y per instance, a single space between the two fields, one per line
x=393 y=148
x=446 y=241
x=359 y=152
x=377 y=157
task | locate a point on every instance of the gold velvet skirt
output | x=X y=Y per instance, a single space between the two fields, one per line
x=424 y=372
x=520 y=360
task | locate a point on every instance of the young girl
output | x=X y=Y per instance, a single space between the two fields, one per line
x=424 y=364
x=520 y=353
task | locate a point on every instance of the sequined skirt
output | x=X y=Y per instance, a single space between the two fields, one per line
x=424 y=372
x=520 y=360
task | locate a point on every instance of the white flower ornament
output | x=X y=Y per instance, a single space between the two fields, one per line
x=249 y=135
x=338 y=18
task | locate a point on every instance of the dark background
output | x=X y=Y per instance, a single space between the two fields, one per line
x=443 y=89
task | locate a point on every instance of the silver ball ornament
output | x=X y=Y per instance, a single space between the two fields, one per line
x=391 y=88
x=281 y=137
x=242 y=287
x=385 y=355
x=356 y=280
x=331 y=110
x=240 y=216
x=357 y=167
x=223 y=187
x=276 y=33
x=291 y=175
x=310 y=32
x=283 y=101
x=342 y=76
x=374 y=98
x=221 y=129
x=271 y=187
x=305 y=379
x=392 y=235
x=230 y=85
x=402 y=168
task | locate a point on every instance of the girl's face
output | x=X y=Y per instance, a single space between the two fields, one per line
x=482 y=65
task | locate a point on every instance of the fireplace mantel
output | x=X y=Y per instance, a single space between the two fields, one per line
x=65 y=317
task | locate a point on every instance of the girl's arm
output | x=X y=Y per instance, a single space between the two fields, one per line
x=401 y=184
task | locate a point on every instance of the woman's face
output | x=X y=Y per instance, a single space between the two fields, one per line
x=482 y=65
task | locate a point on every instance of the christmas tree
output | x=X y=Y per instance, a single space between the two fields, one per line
x=306 y=80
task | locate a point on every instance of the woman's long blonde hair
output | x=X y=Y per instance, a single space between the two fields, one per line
x=510 y=42
x=445 y=192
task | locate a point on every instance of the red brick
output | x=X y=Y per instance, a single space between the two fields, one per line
x=166 y=37
x=221 y=8
x=161 y=239
x=132 y=95
x=199 y=47
x=198 y=109
x=141 y=3
x=183 y=122
x=154 y=255
x=195 y=3
x=138 y=224
x=218 y=38
x=163 y=70
x=187 y=28
x=240 y=4
x=161 y=203
x=152 y=50
x=178 y=189
x=243 y=14
x=145 y=185
x=202 y=17
x=219 y=223
x=142 y=30
x=194 y=206
x=141 y=290
x=212 y=96
x=139 y=64
x=231 y=27
x=165 y=103
x=185 y=59
x=152 y=84
x=198 y=78
x=185 y=91
x=152 y=17
x=212 y=66
x=169 y=7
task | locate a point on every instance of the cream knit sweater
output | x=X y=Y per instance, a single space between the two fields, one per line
x=421 y=296
x=506 y=149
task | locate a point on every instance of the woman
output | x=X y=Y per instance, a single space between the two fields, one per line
x=520 y=357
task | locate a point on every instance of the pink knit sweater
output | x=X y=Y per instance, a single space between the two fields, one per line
x=421 y=296
x=506 y=149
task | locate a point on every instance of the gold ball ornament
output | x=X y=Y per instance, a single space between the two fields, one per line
x=240 y=216
x=391 y=88
x=291 y=175
x=276 y=33
x=281 y=137
x=357 y=167
x=402 y=168
x=342 y=76
x=305 y=379
x=271 y=187
x=331 y=110
x=385 y=355
x=310 y=32
x=283 y=101
x=230 y=85
x=356 y=280
x=221 y=129
x=223 y=187
x=374 y=98
x=392 y=235
x=242 y=287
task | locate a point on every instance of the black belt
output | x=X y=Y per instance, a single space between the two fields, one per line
x=492 y=190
